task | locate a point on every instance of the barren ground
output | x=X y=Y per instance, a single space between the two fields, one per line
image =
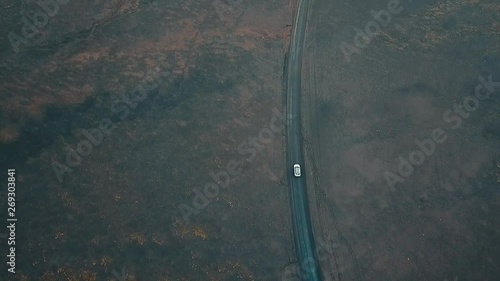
x=117 y=211
x=441 y=222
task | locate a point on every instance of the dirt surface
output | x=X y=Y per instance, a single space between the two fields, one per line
x=361 y=115
x=113 y=214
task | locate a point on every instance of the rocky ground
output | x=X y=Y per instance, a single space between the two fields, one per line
x=103 y=164
x=366 y=107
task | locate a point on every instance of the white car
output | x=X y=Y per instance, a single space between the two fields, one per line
x=296 y=170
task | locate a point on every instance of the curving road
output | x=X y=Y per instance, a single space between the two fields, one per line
x=302 y=228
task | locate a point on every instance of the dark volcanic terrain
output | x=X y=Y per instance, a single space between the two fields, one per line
x=216 y=74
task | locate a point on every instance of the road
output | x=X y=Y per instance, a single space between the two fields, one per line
x=301 y=220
